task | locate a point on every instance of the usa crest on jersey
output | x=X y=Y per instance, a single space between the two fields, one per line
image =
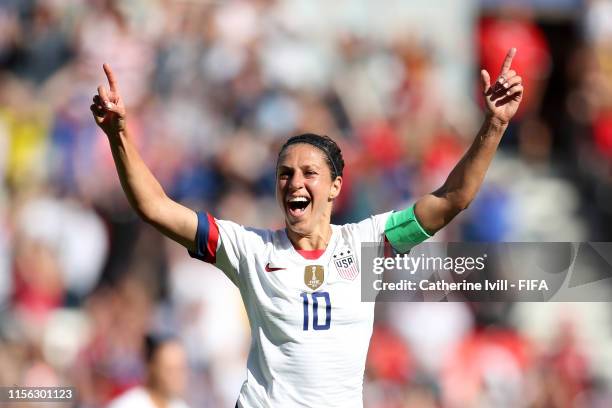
x=346 y=265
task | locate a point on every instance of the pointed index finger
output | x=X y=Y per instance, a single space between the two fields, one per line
x=112 y=82
x=508 y=60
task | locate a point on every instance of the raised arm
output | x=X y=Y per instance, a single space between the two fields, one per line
x=143 y=191
x=437 y=209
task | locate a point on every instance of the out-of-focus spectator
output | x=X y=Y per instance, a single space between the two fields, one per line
x=487 y=368
x=74 y=233
x=211 y=322
x=166 y=377
x=110 y=362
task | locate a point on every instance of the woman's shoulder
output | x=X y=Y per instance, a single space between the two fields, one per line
x=249 y=234
x=367 y=221
x=370 y=228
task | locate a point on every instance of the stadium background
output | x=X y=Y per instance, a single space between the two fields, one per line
x=213 y=88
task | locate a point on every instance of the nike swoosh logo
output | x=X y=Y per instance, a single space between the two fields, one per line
x=271 y=269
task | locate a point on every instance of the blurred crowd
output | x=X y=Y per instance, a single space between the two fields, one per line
x=212 y=90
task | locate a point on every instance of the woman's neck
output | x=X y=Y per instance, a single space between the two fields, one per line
x=159 y=400
x=318 y=239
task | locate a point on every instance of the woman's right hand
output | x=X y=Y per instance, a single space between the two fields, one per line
x=107 y=108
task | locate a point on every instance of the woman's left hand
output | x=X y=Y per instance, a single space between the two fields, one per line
x=504 y=96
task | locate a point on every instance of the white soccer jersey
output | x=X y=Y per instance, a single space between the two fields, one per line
x=310 y=331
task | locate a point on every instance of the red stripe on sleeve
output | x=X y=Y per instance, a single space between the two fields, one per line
x=213 y=239
x=387 y=248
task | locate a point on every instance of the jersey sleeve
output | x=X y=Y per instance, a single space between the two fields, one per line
x=221 y=243
x=372 y=229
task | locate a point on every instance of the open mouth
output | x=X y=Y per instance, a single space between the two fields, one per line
x=297 y=206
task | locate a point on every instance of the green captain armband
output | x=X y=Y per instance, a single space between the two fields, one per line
x=404 y=231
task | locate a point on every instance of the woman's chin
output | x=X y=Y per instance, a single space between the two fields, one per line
x=297 y=224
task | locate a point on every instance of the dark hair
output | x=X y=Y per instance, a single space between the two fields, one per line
x=153 y=342
x=333 y=154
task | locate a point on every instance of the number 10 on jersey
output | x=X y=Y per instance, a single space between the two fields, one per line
x=315 y=310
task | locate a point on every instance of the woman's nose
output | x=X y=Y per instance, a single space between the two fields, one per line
x=296 y=182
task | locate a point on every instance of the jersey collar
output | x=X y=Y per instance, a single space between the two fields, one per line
x=326 y=254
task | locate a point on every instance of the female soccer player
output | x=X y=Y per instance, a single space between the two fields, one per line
x=310 y=331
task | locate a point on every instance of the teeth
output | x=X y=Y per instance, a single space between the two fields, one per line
x=298 y=199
